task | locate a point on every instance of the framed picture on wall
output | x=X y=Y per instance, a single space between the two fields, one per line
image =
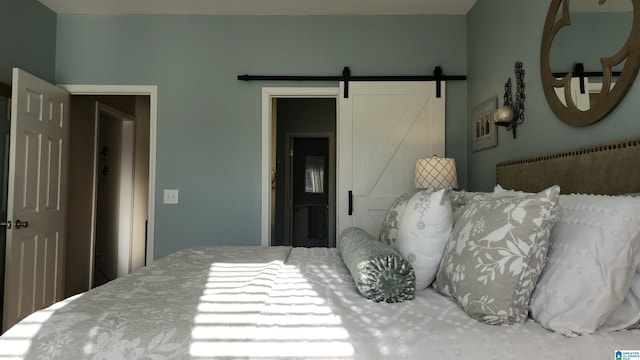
x=484 y=132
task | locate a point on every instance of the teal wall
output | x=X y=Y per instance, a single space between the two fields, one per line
x=209 y=123
x=28 y=38
x=590 y=37
x=499 y=33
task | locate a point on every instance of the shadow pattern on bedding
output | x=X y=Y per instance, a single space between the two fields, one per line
x=249 y=303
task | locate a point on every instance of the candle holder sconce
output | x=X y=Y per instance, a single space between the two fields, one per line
x=511 y=114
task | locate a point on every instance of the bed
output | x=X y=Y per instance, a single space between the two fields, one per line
x=299 y=303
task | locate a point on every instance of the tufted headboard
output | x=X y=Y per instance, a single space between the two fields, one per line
x=611 y=168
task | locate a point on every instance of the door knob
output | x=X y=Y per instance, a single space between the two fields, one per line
x=21 y=224
x=6 y=224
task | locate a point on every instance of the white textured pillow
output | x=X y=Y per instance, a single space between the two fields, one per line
x=423 y=233
x=627 y=314
x=594 y=252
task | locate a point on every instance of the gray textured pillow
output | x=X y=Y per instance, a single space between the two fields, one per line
x=380 y=273
x=497 y=250
x=460 y=198
x=391 y=222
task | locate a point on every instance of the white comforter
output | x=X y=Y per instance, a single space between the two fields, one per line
x=259 y=303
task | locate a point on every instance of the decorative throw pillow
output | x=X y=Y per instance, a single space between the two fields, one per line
x=389 y=228
x=380 y=273
x=424 y=231
x=496 y=253
x=627 y=314
x=587 y=285
x=634 y=326
x=498 y=191
x=460 y=198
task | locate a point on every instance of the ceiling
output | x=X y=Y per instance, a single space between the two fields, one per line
x=293 y=7
x=261 y=7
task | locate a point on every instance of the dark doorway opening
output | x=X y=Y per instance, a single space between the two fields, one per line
x=310 y=192
x=303 y=125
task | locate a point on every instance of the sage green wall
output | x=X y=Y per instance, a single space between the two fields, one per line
x=499 y=33
x=590 y=37
x=28 y=38
x=209 y=123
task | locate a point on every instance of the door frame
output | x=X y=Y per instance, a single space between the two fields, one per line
x=5 y=91
x=288 y=187
x=145 y=90
x=125 y=213
x=268 y=96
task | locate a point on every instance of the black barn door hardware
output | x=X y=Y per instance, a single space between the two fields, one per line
x=578 y=71
x=438 y=76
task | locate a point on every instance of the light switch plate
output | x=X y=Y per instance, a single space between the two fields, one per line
x=170 y=196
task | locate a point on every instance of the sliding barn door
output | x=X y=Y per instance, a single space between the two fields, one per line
x=37 y=196
x=383 y=128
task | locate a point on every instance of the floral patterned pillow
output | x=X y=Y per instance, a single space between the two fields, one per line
x=460 y=198
x=391 y=222
x=497 y=250
x=423 y=234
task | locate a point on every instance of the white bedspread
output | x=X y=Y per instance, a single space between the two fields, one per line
x=247 y=302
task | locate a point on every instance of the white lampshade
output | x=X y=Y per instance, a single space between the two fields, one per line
x=436 y=173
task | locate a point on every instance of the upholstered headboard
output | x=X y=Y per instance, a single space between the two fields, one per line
x=610 y=168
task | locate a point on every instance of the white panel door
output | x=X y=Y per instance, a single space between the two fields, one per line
x=36 y=197
x=383 y=128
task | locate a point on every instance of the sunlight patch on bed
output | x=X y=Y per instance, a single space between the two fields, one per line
x=265 y=310
x=16 y=342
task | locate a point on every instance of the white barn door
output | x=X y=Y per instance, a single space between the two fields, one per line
x=383 y=128
x=36 y=215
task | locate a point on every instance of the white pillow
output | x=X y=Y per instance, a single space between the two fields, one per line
x=423 y=233
x=594 y=252
x=626 y=314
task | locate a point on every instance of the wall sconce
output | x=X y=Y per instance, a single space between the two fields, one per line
x=435 y=173
x=511 y=114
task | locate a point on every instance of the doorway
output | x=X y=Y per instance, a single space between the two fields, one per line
x=310 y=190
x=139 y=102
x=77 y=255
x=5 y=131
x=301 y=120
x=382 y=127
x=114 y=188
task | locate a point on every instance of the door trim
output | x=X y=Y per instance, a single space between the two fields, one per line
x=152 y=92
x=268 y=95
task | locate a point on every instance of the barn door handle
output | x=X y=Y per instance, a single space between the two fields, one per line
x=350 y=202
x=21 y=224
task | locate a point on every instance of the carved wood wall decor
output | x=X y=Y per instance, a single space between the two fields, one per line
x=558 y=17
